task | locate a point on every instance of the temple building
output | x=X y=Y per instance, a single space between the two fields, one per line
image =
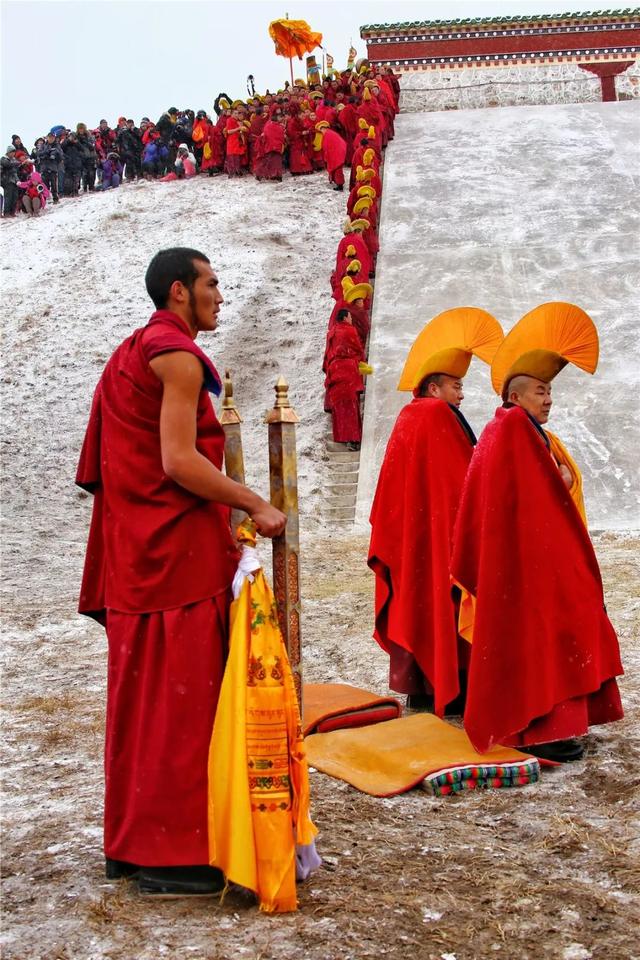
x=506 y=61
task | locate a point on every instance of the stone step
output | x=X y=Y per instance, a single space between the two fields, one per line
x=342 y=489
x=349 y=456
x=349 y=500
x=334 y=447
x=340 y=513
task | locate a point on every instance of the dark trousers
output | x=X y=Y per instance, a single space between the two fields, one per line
x=10 y=198
x=88 y=176
x=71 y=183
x=50 y=178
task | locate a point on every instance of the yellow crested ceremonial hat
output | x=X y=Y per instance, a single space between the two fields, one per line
x=366 y=191
x=363 y=124
x=543 y=342
x=315 y=95
x=299 y=83
x=365 y=173
x=371 y=133
x=360 y=224
x=366 y=94
x=351 y=251
x=322 y=125
x=354 y=266
x=237 y=103
x=362 y=205
x=347 y=226
x=447 y=343
x=355 y=291
x=224 y=103
x=368 y=156
x=371 y=83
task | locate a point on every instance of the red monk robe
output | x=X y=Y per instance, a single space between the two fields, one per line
x=412 y=521
x=256 y=127
x=297 y=137
x=334 y=151
x=158 y=569
x=344 y=382
x=236 y=148
x=362 y=251
x=347 y=126
x=360 y=317
x=544 y=655
x=269 y=163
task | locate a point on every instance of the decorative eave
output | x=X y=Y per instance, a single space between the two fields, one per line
x=469 y=24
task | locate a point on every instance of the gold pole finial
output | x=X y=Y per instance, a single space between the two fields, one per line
x=228 y=403
x=282 y=393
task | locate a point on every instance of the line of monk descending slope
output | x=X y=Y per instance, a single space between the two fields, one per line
x=493 y=541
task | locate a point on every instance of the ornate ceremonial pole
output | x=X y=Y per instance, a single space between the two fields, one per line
x=283 y=476
x=233 y=457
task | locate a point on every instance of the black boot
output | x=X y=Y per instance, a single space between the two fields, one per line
x=561 y=751
x=116 y=869
x=420 y=701
x=198 y=881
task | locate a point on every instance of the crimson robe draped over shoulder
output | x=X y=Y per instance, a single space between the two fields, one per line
x=412 y=522
x=153 y=545
x=542 y=643
x=334 y=150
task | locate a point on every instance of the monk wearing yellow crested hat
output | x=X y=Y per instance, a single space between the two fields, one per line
x=544 y=656
x=414 y=512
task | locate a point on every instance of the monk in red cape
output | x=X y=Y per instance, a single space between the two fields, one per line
x=544 y=655
x=334 y=151
x=343 y=383
x=158 y=570
x=414 y=511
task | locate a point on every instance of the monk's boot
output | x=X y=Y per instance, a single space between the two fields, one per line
x=422 y=702
x=117 y=869
x=559 y=751
x=171 y=882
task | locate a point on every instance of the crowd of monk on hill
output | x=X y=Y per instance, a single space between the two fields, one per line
x=264 y=136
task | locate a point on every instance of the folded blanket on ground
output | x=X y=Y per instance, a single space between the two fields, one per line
x=392 y=757
x=333 y=706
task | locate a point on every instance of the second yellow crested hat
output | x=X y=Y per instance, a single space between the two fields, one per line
x=362 y=206
x=543 y=342
x=355 y=291
x=366 y=191
x=447 y=343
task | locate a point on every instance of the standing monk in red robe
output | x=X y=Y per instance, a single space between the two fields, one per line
x=236 y=149
x=334 y=151
x=414 y=511
x=269 y=163
x=343 y=381
x=158 y=569
x=544 y=656
x=297 y=137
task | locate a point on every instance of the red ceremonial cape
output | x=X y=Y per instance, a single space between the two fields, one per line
x=412 y=522
x=272 y=138
x=152 y=545
x=334 y=150
x=541 y=635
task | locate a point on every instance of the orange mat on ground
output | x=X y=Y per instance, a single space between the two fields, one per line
x=392 y=757
x=331 y=706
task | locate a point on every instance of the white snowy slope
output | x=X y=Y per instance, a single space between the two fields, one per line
x=73 y=288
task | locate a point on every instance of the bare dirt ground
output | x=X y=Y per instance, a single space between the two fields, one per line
x=547 y=871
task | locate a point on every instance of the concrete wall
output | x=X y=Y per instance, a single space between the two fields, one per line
x=470 y=87
x=505 y=209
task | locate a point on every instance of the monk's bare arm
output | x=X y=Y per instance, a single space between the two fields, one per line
x=181 y=377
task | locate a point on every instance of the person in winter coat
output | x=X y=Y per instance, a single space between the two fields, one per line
x=38 y=145
x=9 y=179
x=72 y=165
x=89 y=156
x=128 y=145
x=35 y=193
x=50 y=158
x=200 y=135
x=111 y=171
x=154 y=157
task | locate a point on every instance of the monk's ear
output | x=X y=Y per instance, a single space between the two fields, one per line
x=177 y=291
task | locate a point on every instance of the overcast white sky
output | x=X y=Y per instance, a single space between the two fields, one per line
x=80 y=60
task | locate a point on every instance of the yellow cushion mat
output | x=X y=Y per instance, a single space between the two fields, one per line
x=392 y=757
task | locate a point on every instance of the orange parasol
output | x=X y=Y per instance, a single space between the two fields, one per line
x=293 y=38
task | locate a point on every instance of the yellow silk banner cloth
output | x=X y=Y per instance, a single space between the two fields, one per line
x=561 y=455
x=293 y=38
x=392 y=757
x=258 y=816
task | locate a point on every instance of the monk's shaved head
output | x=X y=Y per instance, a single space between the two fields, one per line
x=532 y=395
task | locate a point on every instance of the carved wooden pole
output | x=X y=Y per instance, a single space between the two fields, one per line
x=283 y=475
x=233 y=457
